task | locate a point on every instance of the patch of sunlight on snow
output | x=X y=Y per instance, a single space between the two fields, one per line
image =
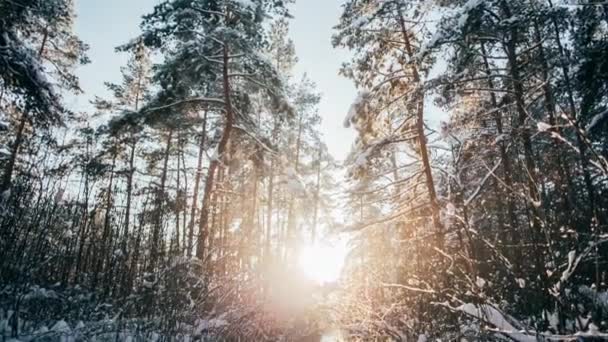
x=332 y=336
x=323 y=263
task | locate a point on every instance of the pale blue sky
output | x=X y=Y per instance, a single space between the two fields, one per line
x=109 y=23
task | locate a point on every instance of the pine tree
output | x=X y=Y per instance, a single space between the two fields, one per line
x=202 y=28
x=123 y=133
x=39 y=49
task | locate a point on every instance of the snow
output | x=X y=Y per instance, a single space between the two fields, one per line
x=511 y=21
x=294 y=183
x=362 y=159
x=59 y=195
x=148 y=284
x=543 y=127
x=6 y=195
x=444 y=130
x=462 y=17
x=597 y=120
x=425 y=47
x=30 y=64
x=472 y=4
x=571 y=256
x=206 y=325
x=451 y=209
x=99 y=217
x=489 y=314
x=593 y=329
x=43 y=330
x=291 y=172
x=61 y=327
x=356 y=108
x=501 y=325
x=466 y=9
x=214 y=156
x=245 y=3
x=571 y=264
x=361 y=20
x=265 y=59
x=500 y=138
x=40 y=293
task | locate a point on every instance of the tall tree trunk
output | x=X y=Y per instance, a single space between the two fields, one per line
x=270 y=195
x=177 y=195
x=135 y=258
x=185 y=203
x=291 y=217
x=247 y=242
x=130 y=175
x=563 y=174
x=219 y=226
x=517 y=88
x=574 y=115
x=197 y=182
x=83 y=233
x=507 y=163
x=124 y=283
x=424 y=152
x=315 y=216
x=160 y=199
x=518 y=92
x=105 y=243
x=215 y=163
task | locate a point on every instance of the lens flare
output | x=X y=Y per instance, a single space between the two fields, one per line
x=323 y=263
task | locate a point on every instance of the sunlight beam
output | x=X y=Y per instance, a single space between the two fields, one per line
x=323 y=263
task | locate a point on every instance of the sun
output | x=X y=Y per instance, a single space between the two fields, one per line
x=323 y=263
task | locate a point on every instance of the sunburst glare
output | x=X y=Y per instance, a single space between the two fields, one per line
x=323 y=262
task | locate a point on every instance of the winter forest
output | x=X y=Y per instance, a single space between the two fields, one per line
x=196 y=199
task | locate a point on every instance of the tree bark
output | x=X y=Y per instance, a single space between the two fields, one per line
x=129 y=192
x=575 y=117
x=424 y=153
x=515 y=237
x=315 y=216
x=197 y=182
x=517 y=87
x=215 y=163
x=160 y=199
